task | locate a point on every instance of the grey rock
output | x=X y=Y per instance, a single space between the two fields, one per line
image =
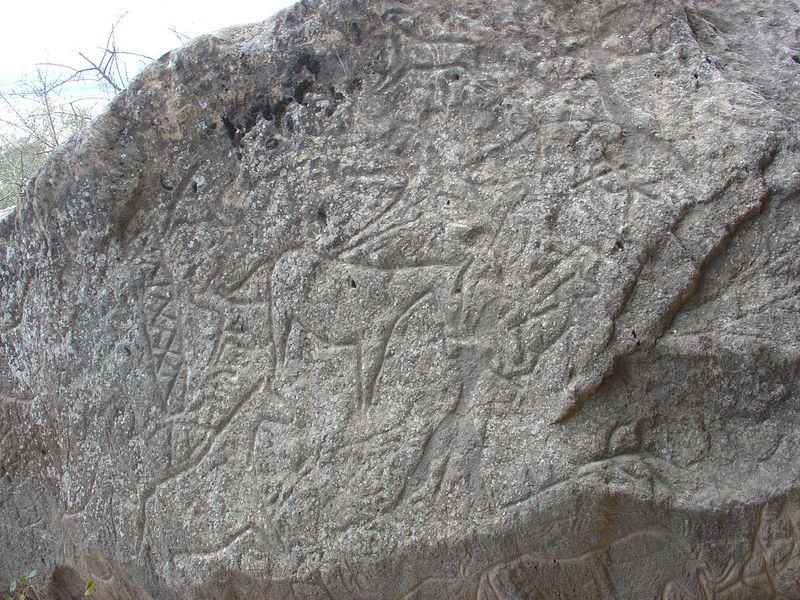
x=6 y=212
x=419 y=300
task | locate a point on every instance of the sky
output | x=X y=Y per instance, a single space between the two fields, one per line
x=46 y=31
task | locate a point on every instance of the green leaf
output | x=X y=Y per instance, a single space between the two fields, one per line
x=32 y=574
x=13 y=586
x=89 y=587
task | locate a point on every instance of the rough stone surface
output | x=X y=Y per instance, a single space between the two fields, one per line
x=465 y=299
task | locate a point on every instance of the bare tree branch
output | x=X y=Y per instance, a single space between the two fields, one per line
x=182 y=37
x=40 y=113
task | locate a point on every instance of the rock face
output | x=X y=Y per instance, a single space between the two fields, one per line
x=379 y=299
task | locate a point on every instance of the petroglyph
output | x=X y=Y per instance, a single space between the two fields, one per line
x=347 y=304
x=402 y=300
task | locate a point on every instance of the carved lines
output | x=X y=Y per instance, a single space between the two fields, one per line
x=162 y=329
x=193 y=460
x=307 y=289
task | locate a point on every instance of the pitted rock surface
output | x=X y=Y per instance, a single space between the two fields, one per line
x=486 y=300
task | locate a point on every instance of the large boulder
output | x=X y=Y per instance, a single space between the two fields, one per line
x=457 y=299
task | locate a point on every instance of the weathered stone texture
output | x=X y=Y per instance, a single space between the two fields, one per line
x=465 y=299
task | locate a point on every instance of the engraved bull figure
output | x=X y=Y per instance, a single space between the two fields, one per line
x=345 y=303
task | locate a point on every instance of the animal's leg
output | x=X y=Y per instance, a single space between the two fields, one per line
x=281 y=327
x=373 y=352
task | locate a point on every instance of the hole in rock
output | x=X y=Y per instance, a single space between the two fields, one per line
x=66 y=584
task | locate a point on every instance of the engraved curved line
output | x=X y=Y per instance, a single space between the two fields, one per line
x=584 y=470
x=227 y=542
x=679 y=299
x=423 y=463
x=194 y=460
x=365 y=234
x=654 y=531
x=490 y=583
x=540 y=491
x=82 y=506
x=231 y=539
x=374 y=371
x=21 y=309
x=166 y=349
x=484 y=153
x=245 y=278
x=400 y=73
x=11 y=399
x=158 y=311
x=228 y=339
x=346 y=341
x=148 y=338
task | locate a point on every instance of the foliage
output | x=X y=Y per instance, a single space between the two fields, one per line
x=89 y=587
x=22 y=588
x=41 y=113
x=38 y=117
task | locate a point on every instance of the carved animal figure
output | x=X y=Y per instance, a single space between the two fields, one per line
x=345 y=303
